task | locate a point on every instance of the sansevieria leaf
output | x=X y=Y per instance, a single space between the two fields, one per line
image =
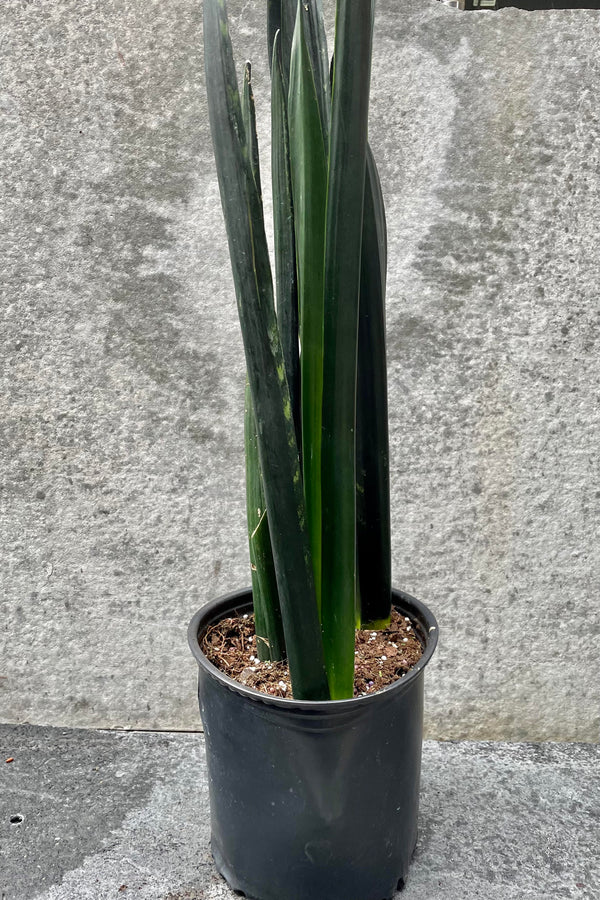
x=265 y=598
x=347 y=159
x=267 y=613
x=281 y=17
x=249 y=119
x=373 y=541
x=277 y=450
x=285 y=239
x=309 y=191
x=273 y=25
x=316 y=41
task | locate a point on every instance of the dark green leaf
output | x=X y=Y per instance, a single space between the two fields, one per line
x=267 y=613
x=283 y=16
x=249 y=117
x=373 y=540
x=317 y=48
x=273 y=24
x=309 y=190
x=347 y=155
x=285 y=241
x=277 y=448
x=289 y=9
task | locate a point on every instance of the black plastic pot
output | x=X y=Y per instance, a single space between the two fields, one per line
x=312 y=800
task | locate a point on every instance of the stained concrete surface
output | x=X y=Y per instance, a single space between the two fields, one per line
x=108 y=815
x=121 y=381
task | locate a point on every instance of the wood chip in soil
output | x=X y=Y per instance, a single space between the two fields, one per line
x=381 y=657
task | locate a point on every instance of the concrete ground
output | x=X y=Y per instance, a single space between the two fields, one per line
x=93 y=815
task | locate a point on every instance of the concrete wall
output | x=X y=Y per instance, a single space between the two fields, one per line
x=122 y=377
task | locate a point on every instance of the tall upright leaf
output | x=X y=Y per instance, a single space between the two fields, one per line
x=347 y=155
x=277 y=448
x=316 y=40
x=268 y=625
x=267 y=612
x=273 y=25
x=285 y=240
x=373 y=542
x=309 y=190
x=249 y=119
x=281 y=16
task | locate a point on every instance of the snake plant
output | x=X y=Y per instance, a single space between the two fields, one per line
x=314 y=338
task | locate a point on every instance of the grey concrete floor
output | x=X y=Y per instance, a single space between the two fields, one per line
x=92 y=815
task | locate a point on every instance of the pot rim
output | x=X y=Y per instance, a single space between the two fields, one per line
x=217 y=609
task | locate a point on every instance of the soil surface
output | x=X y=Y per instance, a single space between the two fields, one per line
x=381 y=657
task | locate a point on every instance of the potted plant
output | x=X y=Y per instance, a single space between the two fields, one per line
x=315 y=796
